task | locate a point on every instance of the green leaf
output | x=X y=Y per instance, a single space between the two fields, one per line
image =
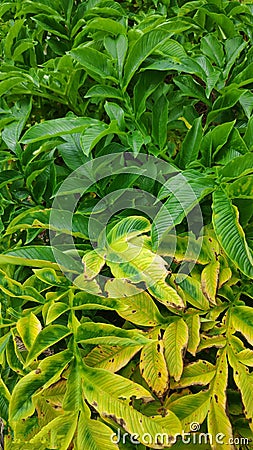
x=38 y=256
x=106 y=24
x=184 y=190
x=141 y=265
x=117 y=48
x=101 y=91
x=159 y=121
x=146 y=84
x=141 y=49
x=191 y=144
x=8 y=176
x=57 y=127
x=94 y=62
x=8 y=84
x=230 y=233
x=213 y=48
x=92 y=135
x=190 y=87
x=4 y=400
x=175 y=341
x=51 y=24
x=238 y=167
x=73 y=396
x=55 y=310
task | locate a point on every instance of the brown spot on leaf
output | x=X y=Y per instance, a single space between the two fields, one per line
x=37 y=371
x=158 y=348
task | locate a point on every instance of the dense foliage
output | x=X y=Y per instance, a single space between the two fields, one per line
x=154 y=333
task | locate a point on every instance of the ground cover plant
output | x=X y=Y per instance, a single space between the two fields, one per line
x=126 y=226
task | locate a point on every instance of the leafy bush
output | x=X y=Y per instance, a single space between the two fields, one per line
x=126 y=223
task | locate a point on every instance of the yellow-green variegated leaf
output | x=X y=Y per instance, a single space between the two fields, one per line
x=28 y=329
x=191 y=408
x=47 y=373
x=94 y=435
x=141 y=265
x=93 y=262
x=103 y=333
x=136 y=305
x=55 y=310
x=218 y=421
x=127 y=228
x=73 y=395
x=111 y=358
x=243 y=380
x=45 y=339
x=241 y=188
x=209 y=280
x=175 y=341
x=224 y=276
x=246 y=357
x=230 y=234
x=59 y=432
x=153 y=366
x=199 y=372
x=192 y=291
x=213 y=341
x=193 y=323
x=90 y=286
x=184 y=248
x=109 y=394
x=5 y=397
x=242 y=320
x=166 y=294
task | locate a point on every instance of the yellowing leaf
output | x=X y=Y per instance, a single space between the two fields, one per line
x=175 y=341
x=93 y=263
x=28 y=328
x=209 y=280
x=218 y=421
x=191 y=408
x=193 y=323
x=242 y=320
x=153 y=366
x=199 y=372
x=111 y=358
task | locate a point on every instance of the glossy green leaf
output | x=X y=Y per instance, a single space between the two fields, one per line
x=230 y=233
